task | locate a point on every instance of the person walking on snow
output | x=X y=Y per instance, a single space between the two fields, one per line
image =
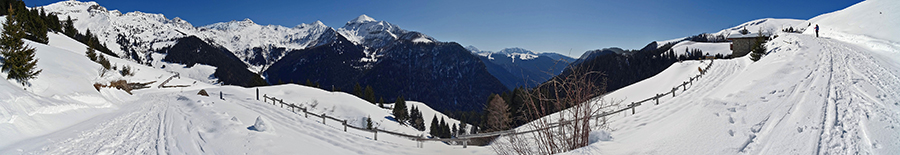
x=817 y=30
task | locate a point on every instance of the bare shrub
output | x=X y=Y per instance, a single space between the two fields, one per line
x=575 y=99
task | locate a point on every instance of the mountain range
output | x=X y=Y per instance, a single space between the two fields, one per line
x=365 y=51
x=518 y=67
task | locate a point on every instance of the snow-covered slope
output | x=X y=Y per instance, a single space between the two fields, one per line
x=365 y=30
x=62 y=113
x=767 y=25
x=809 y=95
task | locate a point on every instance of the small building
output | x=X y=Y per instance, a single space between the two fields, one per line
x=742 y=42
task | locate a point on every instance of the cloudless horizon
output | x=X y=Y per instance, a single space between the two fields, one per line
x=567 y=27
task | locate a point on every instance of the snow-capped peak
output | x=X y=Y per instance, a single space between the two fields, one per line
x=362 y=19
x=231 y=25
x=247 y=20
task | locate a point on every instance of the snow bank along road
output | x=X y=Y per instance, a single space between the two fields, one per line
x=807 y=96
x=172 y=122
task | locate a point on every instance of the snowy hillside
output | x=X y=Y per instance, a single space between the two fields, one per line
x=61 y=113
x=767 y=25
x=809 y=95
x=826 y=99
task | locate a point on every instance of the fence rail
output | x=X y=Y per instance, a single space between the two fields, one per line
x=631 y=106
x=465 y=138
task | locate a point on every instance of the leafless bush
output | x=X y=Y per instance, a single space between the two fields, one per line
x=576 y=97
x=102 y=71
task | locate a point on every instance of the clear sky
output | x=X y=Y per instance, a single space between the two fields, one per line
x=540 y=25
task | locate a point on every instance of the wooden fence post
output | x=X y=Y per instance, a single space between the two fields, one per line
x=345 y=125
x=305 y=114
x=376 y=134
x=323 y=118
x=264 y=97
x=657 y=99
x=257 y=94
x=673 y=91
x=632 y=108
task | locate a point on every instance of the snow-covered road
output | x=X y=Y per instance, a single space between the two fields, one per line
x=808 y=96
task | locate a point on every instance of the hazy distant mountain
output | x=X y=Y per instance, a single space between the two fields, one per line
x=521 y=67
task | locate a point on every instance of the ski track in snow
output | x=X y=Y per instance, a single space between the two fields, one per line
x=821 y=96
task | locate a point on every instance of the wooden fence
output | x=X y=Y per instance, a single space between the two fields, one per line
x=465 y=138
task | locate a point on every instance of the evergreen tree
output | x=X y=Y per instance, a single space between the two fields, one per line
x=454 y=131
x=369 y=94
x=412 y=117
x=445 y=130
x=357 y=90
x=70 y=27
x=91 y=54
x=759 y=48
x=440 y=128
x=18 y=58
x=434 y=126
x=400 y=111
x=381 y=102
x=103 y=62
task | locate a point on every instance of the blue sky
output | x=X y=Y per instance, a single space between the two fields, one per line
x=539 y=25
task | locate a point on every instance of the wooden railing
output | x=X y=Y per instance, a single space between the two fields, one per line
x=465 y=138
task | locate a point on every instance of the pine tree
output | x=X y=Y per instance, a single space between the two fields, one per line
x=357 y=90
x=70 y=27
x=369 y=94
x=412 y=117
x=91 y=54
x=759 y=48
x=445 y=131
x=400 y=111
x=381 y=102
x=454 y=130
x=441 y=126
x=434 y=126
x=18 y=58
x=103 y=62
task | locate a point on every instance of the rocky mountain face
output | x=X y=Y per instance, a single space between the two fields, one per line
x=443 y=75
x=376 y=53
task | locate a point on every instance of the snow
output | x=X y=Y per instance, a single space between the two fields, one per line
x=260 y=125
x=362 y=19
x=723 y=48
x=61 y=113
x=834 y=94
x=151 y=32
x=766 y=25
x=872 y=18
x=422 y=40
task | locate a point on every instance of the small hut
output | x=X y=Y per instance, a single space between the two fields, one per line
x=742 y=42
